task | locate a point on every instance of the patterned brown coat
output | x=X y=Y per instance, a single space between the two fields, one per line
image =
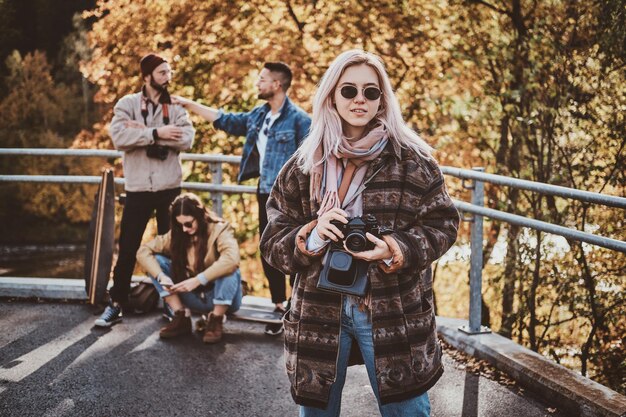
x=407 y=195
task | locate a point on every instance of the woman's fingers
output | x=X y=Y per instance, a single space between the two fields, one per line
x=335 y=214
x=335 y=230
x=380 y=251
x=180 y=287
x=329 y=231
x=326 y=229
x=186 y=286
x=338 y=214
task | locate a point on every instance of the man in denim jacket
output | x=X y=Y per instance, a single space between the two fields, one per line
x=273 y=131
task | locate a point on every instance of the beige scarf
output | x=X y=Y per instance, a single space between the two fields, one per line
x=325 y=175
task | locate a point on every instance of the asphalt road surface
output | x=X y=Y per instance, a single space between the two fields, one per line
x=54 y=363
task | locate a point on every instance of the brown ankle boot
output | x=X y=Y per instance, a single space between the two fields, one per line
x=214 y=329
x=179 y=325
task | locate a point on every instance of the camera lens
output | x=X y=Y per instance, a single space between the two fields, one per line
x=356 y=241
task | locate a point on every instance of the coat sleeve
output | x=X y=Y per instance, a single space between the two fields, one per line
x=127 y=138
x=228 y=260
x=233 y=123
x=433 y=232
x=288 y=224
x=146 y=253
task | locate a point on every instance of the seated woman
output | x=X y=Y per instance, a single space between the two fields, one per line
x=194 y=266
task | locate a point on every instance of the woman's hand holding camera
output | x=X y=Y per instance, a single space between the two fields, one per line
x=326 y=230
x=381 y=250
x=187 y=285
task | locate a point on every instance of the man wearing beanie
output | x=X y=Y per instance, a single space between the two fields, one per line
x=151 y=132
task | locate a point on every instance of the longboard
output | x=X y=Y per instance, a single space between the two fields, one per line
x=100 y=240
x=257 y=314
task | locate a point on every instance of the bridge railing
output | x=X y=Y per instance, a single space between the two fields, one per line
x=478 y=179
x=215 y=161
x=475 y=208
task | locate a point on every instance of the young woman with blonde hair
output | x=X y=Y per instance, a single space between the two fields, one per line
x=360 y=160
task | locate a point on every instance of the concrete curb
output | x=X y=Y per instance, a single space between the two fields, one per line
x=50 y=288
x=578 y=395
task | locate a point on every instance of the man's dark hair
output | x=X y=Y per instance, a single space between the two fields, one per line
x=283 y=71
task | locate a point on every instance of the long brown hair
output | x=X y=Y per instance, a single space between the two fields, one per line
x=188 y=204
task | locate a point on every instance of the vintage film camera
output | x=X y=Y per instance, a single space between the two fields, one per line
x=159 y=152
x=354 y=232
x=340 y=271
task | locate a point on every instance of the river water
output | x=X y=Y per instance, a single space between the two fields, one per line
x=43 y=261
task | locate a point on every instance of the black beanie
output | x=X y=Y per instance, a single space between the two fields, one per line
x=149 y=62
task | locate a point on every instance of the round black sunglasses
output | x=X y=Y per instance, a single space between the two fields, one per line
x=187 y=225
x=370 y=93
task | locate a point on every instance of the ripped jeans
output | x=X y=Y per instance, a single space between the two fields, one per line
x=226 y=291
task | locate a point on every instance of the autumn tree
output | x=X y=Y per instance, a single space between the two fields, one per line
x=217 y=52
x=527 y=89
x=555 y=86
x=35 y=113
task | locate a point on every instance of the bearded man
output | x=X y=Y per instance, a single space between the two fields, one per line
x=151 y=132
x=273 y=131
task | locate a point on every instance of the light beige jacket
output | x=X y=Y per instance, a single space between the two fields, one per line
x=143 y=173
x=222 y=256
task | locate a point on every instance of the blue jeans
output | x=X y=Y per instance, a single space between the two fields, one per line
x=356 y=325
x=227 y=291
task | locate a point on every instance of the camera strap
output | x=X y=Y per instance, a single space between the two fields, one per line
x=144 y=110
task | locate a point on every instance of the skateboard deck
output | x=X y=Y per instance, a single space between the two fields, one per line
x=261 y=315
x=100 y=240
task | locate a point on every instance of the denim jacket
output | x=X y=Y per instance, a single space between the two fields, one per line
x=283 y=138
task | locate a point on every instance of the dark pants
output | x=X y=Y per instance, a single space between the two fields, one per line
x=137 y=211
x=275 y=278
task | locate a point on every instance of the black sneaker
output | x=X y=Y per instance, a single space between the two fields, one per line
x=112 y=314
x=275 y=329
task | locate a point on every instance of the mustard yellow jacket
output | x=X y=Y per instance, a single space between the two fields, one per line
x=222 y=256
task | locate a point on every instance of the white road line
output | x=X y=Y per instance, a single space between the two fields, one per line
x=35 y=359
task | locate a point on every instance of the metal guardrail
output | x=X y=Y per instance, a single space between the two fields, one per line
x=605 y=242
x=108 y=153
x=476 y=175
x=215 y=161
x=477 y=208
x=89 y=179
x=539 y=187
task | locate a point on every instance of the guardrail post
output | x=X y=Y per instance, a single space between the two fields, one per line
x=476 y=261
x=216 y=178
